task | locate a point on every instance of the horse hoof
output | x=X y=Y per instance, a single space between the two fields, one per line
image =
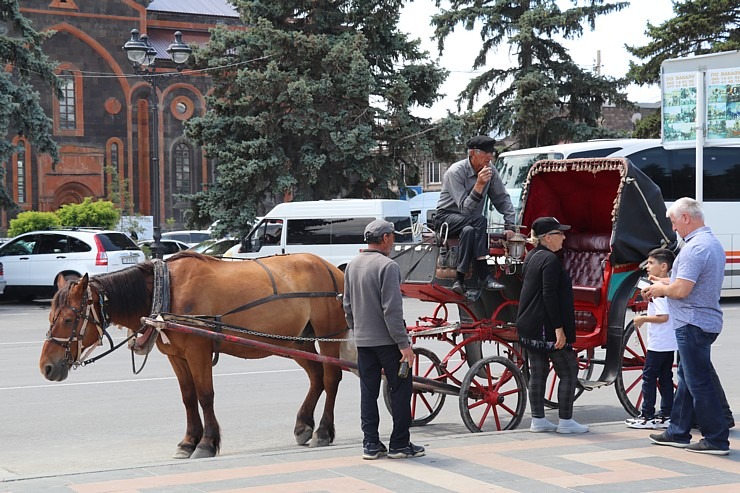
x=317 y=441
x=183 y=453
x=303 y=437
x=203 y=453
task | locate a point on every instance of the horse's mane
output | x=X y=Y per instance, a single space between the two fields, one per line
x=128 y=291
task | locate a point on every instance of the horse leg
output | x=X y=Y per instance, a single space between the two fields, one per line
x=202 y=371
x=325 y=433
x=194 y=428
x=304 y=424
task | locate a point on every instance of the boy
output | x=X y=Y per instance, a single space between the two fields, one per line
x=661 y=346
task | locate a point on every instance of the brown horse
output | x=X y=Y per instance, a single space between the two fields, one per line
x=286 y=295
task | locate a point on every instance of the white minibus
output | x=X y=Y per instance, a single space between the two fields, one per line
x=673 y=170
x=332 y=229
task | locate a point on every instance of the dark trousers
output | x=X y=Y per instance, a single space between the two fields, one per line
x=472 y=232
x=370 y=361
x=658 y=368
x=566 y=366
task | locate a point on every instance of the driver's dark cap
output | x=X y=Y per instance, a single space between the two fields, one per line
x=543 y=225
x=482 y=143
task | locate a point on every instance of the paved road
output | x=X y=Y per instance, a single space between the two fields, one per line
x=104 y=417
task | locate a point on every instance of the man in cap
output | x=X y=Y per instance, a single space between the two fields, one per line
x=373 y=307
x=464 y=187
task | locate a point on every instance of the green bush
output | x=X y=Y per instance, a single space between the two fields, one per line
x=33 y=221
x=100 y=214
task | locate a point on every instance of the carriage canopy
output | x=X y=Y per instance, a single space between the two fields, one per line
x=600 y=196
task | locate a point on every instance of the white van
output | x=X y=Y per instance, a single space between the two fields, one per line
x=424 y=208
x=673 y=170
x=332 y=229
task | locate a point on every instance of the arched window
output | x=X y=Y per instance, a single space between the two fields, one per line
x=20 y=167
x=68 y=114
x=114 y=156
x=183 y=160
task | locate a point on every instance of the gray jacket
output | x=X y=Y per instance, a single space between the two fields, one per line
x=458 y=195
x=373 y=304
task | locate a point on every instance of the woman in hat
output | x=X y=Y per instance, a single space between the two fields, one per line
x=546 y=326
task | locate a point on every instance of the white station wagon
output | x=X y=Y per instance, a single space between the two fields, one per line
x=32 y=261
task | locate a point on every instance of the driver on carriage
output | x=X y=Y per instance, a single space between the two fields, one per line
x=464 y=187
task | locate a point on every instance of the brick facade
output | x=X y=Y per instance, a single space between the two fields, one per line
x=105 y=121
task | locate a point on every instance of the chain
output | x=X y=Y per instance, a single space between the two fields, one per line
x=199 y=321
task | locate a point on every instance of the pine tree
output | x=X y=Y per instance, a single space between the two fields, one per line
x=20 y=108
x=314 y=99
x=545 y=98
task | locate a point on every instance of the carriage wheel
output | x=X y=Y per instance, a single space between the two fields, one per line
x=585 y=370
x=493 y=395
x=629 y=378
x=425 y=405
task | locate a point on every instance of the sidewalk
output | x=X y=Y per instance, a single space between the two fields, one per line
x=610 y=458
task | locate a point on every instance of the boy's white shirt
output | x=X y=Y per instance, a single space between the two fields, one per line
x=660 y=337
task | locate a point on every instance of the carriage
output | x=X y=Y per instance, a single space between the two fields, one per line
x=617 y=215
x=289 y=305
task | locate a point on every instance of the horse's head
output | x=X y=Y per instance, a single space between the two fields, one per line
x=75 y=324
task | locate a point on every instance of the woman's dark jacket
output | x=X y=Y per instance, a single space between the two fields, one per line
x=546 y=299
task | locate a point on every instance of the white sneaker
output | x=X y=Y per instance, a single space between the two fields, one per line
x=571 y=426
x=641 y=423
x=542 y=425
x=662 y=422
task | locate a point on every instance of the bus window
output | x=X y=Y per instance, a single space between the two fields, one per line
x=655 y=163
x=309 y=232
x=684 y=172
x=513 y=169
x=606 y=151
x=721 y=174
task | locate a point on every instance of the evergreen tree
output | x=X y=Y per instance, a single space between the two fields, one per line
x=314 y=99
x=20 y=108
x=698 y=27
x=545 y=98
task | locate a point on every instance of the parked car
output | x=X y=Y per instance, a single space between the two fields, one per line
x=32 y=261
x=214 y=248
x=192 y=238
x=2 y=279
x=169 y=247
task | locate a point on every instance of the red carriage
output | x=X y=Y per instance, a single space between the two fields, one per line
x=617 y=216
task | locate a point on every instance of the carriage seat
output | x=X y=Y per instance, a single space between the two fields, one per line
x=584 y=255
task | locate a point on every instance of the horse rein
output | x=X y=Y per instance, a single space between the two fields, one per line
x=90 y=315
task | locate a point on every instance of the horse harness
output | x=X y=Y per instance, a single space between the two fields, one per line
x=87 y=313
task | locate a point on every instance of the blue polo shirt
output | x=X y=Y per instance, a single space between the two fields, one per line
x=701 y=261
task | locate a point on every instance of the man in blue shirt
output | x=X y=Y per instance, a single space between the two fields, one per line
x=464 y=188
x=693 y=294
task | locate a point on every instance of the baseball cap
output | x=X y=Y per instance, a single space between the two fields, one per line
x=377 y=228
x=544 y=225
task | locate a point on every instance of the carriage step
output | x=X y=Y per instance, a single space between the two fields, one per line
x=591 y=384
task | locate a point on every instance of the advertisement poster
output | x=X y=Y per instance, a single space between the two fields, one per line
x=679 y=106
x=723 y=104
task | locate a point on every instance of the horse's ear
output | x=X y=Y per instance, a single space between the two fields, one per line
x=61 y=281
x=84 y=281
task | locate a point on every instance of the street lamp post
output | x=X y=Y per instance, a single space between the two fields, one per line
x=142 y=56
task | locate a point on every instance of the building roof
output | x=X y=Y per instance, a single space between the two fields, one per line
x=219 y=8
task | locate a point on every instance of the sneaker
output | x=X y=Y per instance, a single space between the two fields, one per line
x=542 y=425
x=373 y=451
x=641 y=423
x=662 y=421
x=458 y=288
x=664 y=439
x=410 y=450
x=571 y=426
x=491 y=284
x=704 y=447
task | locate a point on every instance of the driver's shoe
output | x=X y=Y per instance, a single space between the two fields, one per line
x=491 y=284
x=458 y=288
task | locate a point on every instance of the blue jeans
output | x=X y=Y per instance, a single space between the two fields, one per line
x=658 y=368
x=696 y=397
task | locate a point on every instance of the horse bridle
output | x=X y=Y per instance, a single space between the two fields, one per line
x=90 y=315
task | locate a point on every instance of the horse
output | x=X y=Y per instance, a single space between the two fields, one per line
x=288 y=296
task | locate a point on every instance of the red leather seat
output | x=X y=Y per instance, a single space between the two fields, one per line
x=584 y=255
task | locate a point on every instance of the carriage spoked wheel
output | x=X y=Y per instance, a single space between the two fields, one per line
x=584 y=359
x=425 y=405
x=629 y=379
x=493 y=395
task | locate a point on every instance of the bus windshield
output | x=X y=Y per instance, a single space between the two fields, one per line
x=514 y=168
